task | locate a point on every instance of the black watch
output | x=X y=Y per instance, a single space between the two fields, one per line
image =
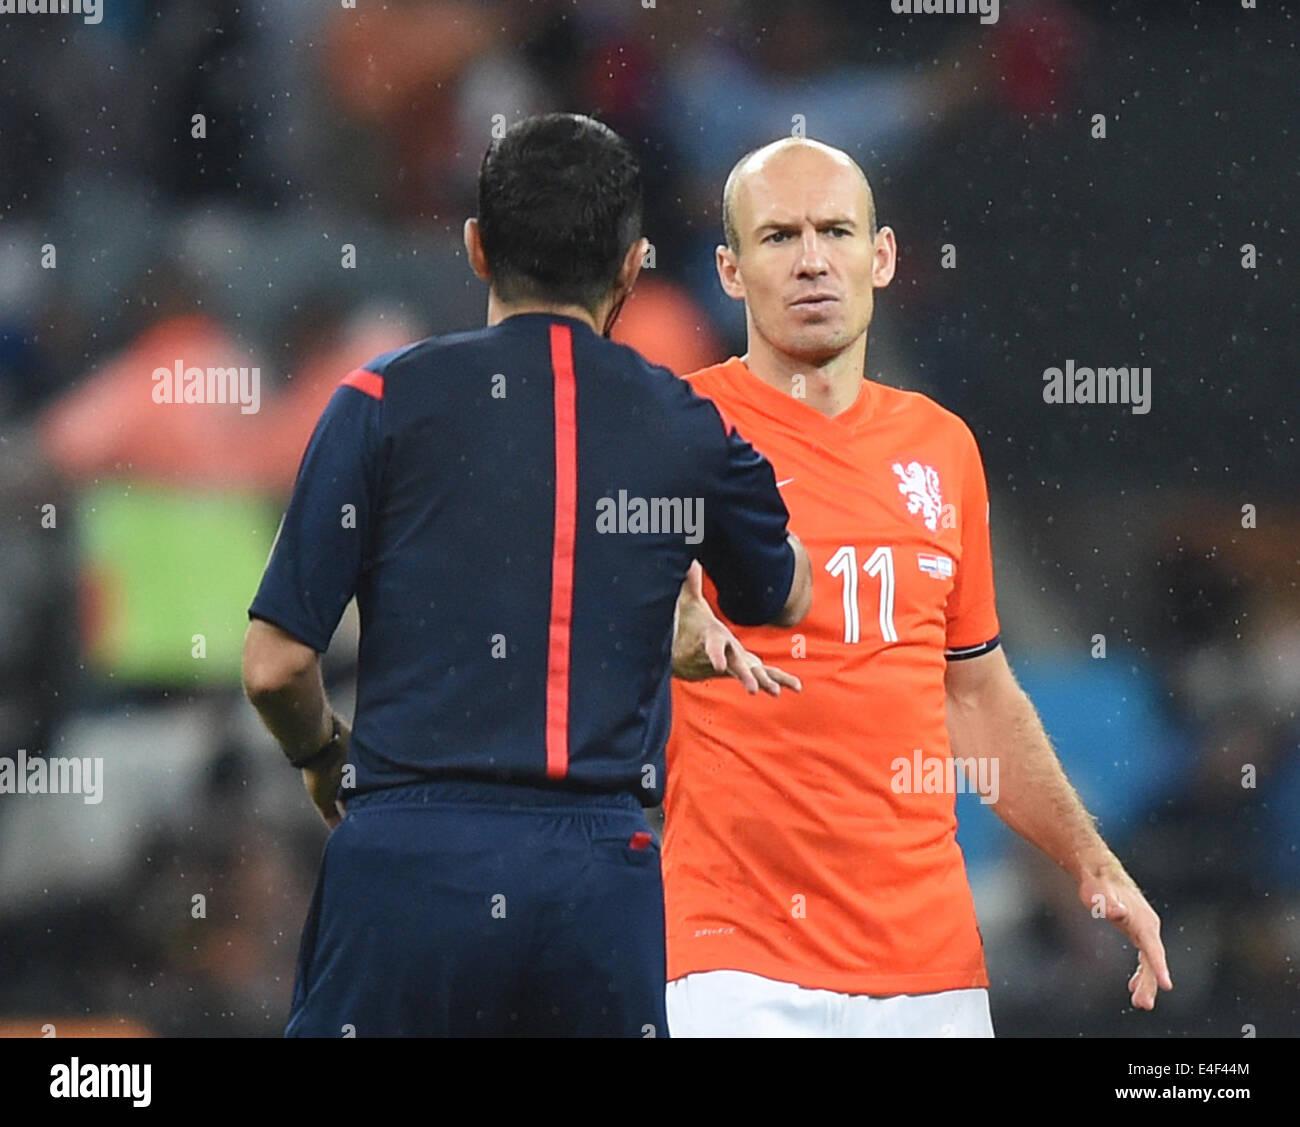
x=331 y=745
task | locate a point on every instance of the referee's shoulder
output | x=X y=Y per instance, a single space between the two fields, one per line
x=369 y=377
x=418 y=356
x=623 y=364
x=689 y=394
x=421 y=351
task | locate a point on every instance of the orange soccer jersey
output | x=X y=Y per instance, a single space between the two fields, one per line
x=798 y=846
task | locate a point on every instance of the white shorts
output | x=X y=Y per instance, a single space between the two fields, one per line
x=733 y=1003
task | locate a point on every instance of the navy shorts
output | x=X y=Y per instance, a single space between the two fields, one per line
x=454 y=908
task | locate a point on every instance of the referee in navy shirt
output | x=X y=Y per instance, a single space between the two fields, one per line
x=515 y=510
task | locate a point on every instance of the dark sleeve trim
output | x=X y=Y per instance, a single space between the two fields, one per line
x=297 y=632
x=963 y=652
x=779 y=596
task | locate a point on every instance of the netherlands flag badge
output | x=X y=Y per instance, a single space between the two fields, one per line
x=937 y=567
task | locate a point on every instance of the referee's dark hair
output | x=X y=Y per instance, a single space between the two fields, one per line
x=559 y=204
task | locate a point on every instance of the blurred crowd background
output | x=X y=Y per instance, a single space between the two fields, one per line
x=128 y=242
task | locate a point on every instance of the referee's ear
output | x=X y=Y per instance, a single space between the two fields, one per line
x=474 y=250
x=631 y=268
x=623 y=283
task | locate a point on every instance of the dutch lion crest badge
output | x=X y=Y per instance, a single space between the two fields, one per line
x=920 y=485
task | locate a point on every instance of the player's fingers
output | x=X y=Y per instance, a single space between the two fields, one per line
x=1153 y=951
x=763 y=675
x=715 y=648
x=1144 y=993
x=781 y=677
x=1135 y=989
x=741 y=667
x=695 y=579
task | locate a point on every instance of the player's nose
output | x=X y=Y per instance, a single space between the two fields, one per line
x=812 y=258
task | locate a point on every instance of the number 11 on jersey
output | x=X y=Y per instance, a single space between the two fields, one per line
x=844 y=563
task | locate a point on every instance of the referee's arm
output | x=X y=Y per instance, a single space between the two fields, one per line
x=312 y=574
x=282 y=679
x=759 y=567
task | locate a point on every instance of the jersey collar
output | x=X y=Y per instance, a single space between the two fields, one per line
x=795 y=411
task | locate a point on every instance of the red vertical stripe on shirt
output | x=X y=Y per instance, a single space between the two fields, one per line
x=566 y=515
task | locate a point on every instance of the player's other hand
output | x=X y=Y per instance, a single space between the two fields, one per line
x=323 y=784
x=703 y=646
x=1129 y=911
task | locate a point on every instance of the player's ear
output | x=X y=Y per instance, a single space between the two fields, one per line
x=474 y=250
x=886 y=258
x=729 y=273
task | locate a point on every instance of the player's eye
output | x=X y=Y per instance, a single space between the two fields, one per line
x=777 y=236
x=837 y=231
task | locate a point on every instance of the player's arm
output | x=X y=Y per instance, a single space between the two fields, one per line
x=705 y=647
x=990 y=716
x=311 y=576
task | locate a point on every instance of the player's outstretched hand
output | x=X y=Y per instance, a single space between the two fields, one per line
x=1129 y=911
x=703 y=646
x=323 y=784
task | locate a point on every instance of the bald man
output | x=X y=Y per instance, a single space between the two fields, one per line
x=813 y=881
